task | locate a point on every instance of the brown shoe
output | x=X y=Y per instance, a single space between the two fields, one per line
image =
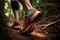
x=17 y=25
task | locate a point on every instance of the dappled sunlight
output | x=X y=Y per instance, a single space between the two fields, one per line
x=37 y=1
x=7 y=14
x=9 y=0
x=20 y=7
x=6 y=5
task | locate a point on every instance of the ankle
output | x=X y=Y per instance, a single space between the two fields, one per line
x=16 y=20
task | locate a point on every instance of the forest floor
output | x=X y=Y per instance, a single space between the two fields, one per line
x=48 y=29
x=42 y=32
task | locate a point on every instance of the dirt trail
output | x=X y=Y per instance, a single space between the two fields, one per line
x=32 y=36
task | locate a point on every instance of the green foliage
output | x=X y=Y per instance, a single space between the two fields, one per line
x=8 y=11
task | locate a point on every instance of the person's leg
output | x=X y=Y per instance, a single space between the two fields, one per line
x=16 y=21
x=27 y=6
x=15 y=8
x=29 y=9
